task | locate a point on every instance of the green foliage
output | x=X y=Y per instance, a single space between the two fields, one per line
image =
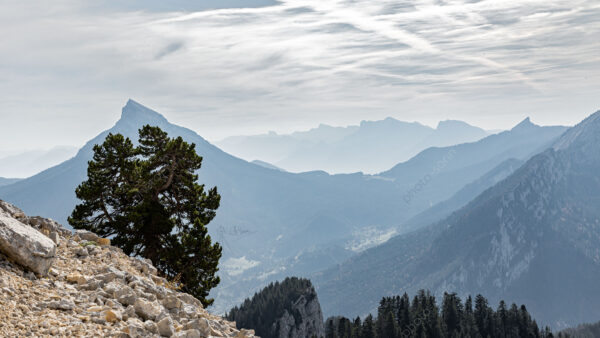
x=397 y=317
x=148 y=201
x=87 y=243
x=267 y=306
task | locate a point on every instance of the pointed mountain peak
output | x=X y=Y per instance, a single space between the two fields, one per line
x=136 y=112
x=524 y=125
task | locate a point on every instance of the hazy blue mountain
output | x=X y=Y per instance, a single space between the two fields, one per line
x=435 y=174
x=34 y=161
x=7 y=181
x=533 y=238
x=271 y=223
x=463 y=196
x=372 y=147
x=273 y=147
x=266 y=165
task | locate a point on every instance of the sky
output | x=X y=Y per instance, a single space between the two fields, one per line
x=67 y=67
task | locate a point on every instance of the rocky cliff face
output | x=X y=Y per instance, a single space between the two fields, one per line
x=305 y=319
x=55 y=283
x=287 y=309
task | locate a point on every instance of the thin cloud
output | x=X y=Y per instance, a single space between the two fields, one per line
x=296 y=64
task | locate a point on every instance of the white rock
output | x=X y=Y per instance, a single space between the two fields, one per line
x=26 y=246
x=125 y=295
x=151 y=326
x=165 y=327
x=188 y=334
x=189 y=299
x=63 y=304
x=146 y=309
x=200 y=324
x=171 y=302
x=81 y=251
x=55 y=237
x=135 y=327
x=87 y=235
x=129 y=312
x=9 y=210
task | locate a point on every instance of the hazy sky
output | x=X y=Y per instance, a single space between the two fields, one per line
x=66 y=69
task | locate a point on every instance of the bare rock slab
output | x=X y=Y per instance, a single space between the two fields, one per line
x=25 y=245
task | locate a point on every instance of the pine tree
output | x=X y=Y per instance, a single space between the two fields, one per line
x=368 y=329
x=390 y=327
x=148 y=201
x=482 y=316
x=451 y=314
x=356 y=328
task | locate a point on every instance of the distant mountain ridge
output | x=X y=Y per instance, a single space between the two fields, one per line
x=531 y=237
x=371 y=147
x=463 y=196
x=268 y=218
x=7 y=181
x=31 y=162
x=266 y=165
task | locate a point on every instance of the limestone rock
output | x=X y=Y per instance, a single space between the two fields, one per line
x=46 y=225
x=26 y=246
x=165 y=327
x=311 y=323
x=9 y=210
x=151 y=326
x=192 y=333
x=87 y=235
x=112 y=316
x=171 y=302
x=146 y=309
x=64 y=305
x=126 y=296
x=81 y=251
x=76 y=278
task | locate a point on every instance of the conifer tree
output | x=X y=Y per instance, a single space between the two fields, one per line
x=454 y=319
x=368 y=329
x=148 y=201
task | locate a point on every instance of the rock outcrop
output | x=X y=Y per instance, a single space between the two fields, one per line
x=310 y=324
x=287 y=309
x=86 y=288
x=22 y=243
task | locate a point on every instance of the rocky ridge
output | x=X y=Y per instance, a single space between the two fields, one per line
x=310 y=324
x=65 y=284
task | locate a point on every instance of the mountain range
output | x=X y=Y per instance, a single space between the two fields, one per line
x=28 y=163
x=532 y=238
x=7 y=181
x=273 y=223
x=371 y=147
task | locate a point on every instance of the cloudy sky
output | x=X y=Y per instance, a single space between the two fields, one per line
x=66 y=69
